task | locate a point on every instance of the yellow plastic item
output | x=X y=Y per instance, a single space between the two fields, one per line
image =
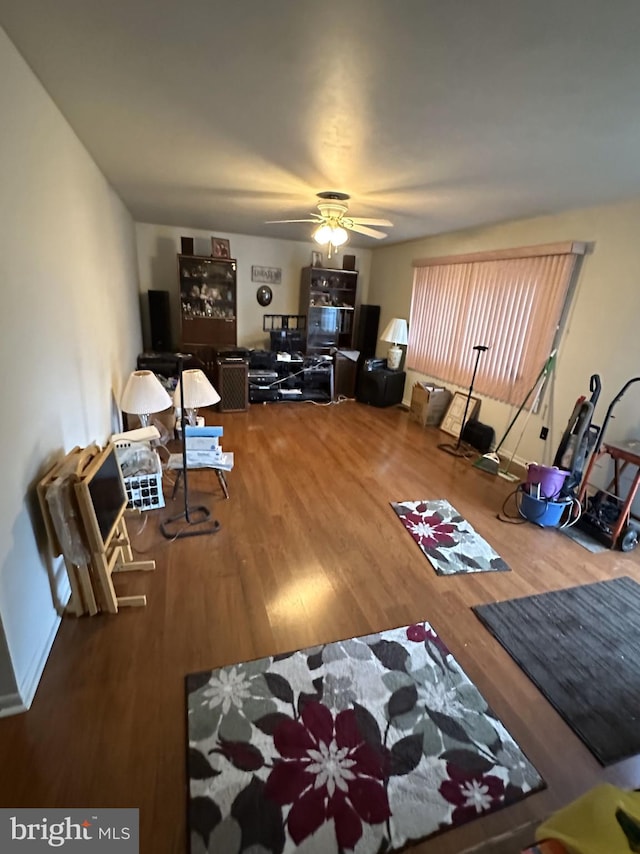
x=606 y=820
x=547 y=846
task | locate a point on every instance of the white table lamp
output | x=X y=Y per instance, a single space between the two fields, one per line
x=395 y=333
x=143 y=395
x=198 y=392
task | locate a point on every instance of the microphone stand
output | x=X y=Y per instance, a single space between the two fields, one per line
x=190 y=514
x=456 y=450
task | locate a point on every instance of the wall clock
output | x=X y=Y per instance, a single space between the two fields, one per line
x=264 y=295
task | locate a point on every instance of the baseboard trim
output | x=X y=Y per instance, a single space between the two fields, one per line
x=30 y=683
x=11 y=704
x=15 y=704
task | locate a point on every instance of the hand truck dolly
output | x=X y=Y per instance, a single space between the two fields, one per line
x=606 y=515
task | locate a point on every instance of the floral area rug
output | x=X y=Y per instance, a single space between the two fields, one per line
x=446 y=539
x=359 y=745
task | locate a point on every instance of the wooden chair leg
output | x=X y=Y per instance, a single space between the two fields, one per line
x=223 y=482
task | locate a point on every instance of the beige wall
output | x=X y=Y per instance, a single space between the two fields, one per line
x=601 y=335
x=158 y=246
x=69 y=334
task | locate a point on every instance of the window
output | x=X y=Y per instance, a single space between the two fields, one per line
x=511 y=301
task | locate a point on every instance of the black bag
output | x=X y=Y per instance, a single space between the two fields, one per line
x=479 y=436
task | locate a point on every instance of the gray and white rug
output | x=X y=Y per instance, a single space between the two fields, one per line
x=446 y=539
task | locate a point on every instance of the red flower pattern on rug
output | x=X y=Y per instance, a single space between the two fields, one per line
x=358 y=745
x=430 y=531
x=472 y=794
x=327 y=771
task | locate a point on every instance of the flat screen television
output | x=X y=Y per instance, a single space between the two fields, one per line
x=102 y=496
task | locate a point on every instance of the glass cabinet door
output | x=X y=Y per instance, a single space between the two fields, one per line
x=207 y=301
x=207 y=288
x=323 y=327
x=328 y=297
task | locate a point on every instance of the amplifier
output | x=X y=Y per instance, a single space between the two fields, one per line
x=260 y=394
x=262 y=377
x=232 y=353
x=233 y=386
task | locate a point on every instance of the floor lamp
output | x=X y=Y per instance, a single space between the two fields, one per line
x=193 y=391
x=456 y=450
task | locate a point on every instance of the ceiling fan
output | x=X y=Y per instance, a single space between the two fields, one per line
x=333 y=223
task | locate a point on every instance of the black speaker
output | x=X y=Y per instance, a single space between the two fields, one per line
x=348 y=262
x=160 y=321
x=366 y=337
x=233 y=385
x=344 y=377
x=186 y=245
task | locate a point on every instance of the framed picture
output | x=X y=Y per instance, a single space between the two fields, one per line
x=220 y=247
x=268 y=275
x=316 y=259
x=452 y=421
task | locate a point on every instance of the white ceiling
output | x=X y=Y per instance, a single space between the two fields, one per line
x=438 y=114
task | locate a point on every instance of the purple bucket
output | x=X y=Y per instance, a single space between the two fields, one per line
x=550 y=478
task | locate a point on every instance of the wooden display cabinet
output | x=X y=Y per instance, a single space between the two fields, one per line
x=328 y=298
x=208 y=299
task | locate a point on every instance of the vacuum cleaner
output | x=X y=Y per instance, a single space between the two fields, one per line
x=578 y=439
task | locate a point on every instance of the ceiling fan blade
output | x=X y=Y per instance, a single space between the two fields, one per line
x=370 y=232
x=272 y=221
x=359 y=221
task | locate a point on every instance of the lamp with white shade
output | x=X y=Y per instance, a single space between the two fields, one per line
x=395 y=333
x=144 y=395
x=196 y=390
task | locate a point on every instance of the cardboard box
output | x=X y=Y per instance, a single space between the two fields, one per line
x=428 y=404
x=201 y=457
x=202 y=443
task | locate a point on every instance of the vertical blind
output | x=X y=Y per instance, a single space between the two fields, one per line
x=511 y=301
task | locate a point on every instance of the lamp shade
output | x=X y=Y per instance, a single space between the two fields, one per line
x=396 y=331
x=198 y=391
x=144 y=394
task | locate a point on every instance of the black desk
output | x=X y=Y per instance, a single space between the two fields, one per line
x=381 y=388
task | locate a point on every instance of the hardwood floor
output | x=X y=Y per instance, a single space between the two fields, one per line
x=309 y=551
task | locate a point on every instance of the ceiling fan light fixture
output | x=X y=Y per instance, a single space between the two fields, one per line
x=322 y=234
x=332 y=225
x=333 y=234
x=339 y=236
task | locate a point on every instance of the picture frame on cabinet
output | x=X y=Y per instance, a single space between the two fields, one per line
x=316 y=259
x=220 y=247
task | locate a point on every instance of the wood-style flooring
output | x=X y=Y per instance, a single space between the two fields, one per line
x=309 y=551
